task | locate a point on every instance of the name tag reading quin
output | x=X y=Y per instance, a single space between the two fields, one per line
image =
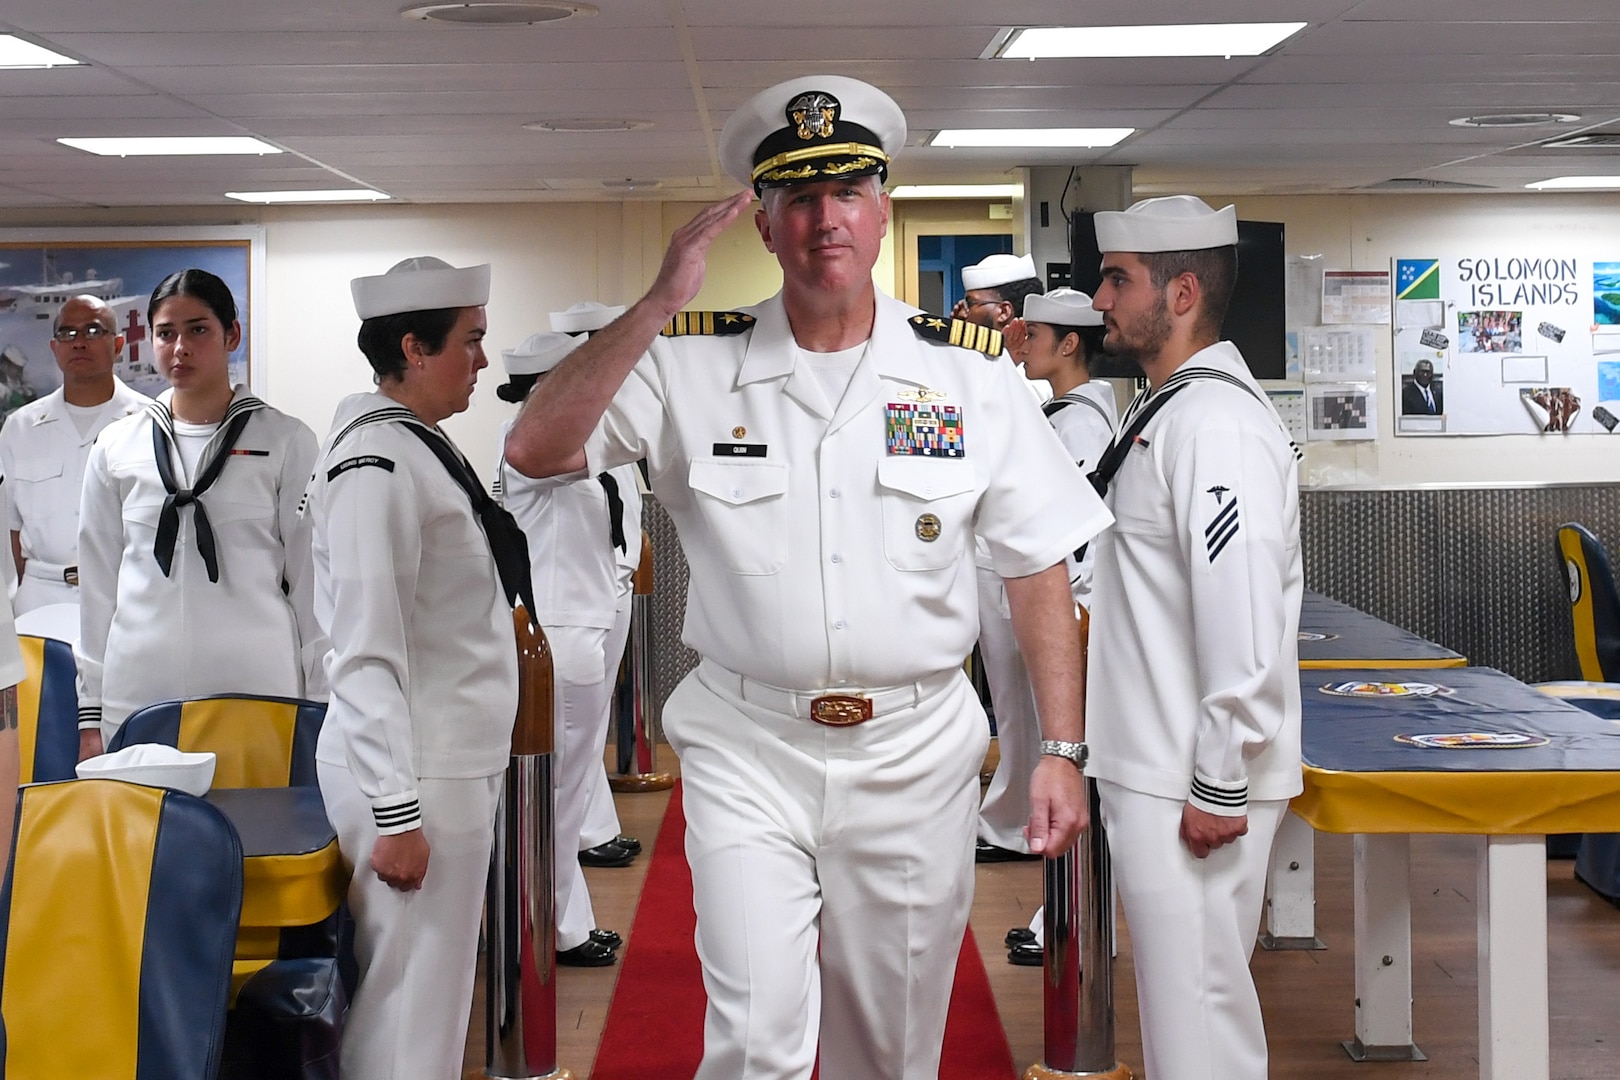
x=923 y=429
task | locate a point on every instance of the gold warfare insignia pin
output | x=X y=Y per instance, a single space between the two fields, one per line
x=739 y=432
x=928 y=528
x=922 y=395
x=813 y=114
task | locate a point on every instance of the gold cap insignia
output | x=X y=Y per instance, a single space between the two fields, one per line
x=813 y=114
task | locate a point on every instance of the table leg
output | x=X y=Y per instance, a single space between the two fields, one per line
x=1514 y=1040
x=1291 y=888
x=1382 y=870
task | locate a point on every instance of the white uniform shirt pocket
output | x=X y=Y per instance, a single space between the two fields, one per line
x=927 y=510
x=745 y=507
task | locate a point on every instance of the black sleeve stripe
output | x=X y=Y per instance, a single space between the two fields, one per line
x=1238 y=796
x=1221 y=530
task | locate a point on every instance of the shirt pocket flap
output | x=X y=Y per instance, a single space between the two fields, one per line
x=738 y=482
x=33 y=469
x=925 y=479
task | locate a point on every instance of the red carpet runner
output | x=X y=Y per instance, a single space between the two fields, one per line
x=655 y=1024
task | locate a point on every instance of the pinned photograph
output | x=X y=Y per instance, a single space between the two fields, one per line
x=1490 y=331
x=1423 y=391
x=1606 y=293
x=1552 y=407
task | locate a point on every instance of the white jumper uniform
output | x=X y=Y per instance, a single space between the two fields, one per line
x=1084 y=420
x=43 y=457
x=830 y=551
x=146 y=636
x=582 y=590
x=1194 y=698
x=423 y=669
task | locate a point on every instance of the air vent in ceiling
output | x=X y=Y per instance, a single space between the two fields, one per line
x=1521 y=119
x=1418 y=183
x=496 y=12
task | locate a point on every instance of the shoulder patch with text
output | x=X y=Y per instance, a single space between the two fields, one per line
x=361 y=462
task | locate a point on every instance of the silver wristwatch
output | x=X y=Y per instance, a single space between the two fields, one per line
x=1070 y=751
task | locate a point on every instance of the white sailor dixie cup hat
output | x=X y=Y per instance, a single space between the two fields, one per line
x=420 y=283
x=999 y=269
x=820 y=127
x=539 y=353
x=584 y=316
x=1170 y=223
x=1062 y=307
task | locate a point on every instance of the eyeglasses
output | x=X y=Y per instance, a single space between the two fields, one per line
x=971 y=303
x=66 y=334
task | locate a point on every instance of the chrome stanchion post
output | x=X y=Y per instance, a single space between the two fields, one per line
x=640 y=773
x=520 y=926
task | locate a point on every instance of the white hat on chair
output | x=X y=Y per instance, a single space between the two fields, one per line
x=1169 y=223
x=1062 y=307
x=154 y=765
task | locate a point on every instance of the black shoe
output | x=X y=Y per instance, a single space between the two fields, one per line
x=988 y=852
x=1026 y=954
x=587 y=953
x=610 y=938
x=608 y=854
x=1019 y=935
x=629 y=843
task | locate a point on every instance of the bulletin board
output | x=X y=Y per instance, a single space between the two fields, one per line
x=1510 y=343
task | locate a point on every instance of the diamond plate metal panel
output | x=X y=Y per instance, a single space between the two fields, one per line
x=1474 y=569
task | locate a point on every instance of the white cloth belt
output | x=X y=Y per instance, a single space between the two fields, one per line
x=797 y=703
x=52 y=572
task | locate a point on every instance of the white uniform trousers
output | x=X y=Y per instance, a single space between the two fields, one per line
x=1005 y=810
x=417 y=951
x=601 y=822
x=832 y=873
x=1193 y=924
x=36 y=590
x=584 y=665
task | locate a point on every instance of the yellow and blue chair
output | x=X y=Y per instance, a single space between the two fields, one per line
x=47 y=710
x=117 y=927
x=1594 y=604
x=259 y=741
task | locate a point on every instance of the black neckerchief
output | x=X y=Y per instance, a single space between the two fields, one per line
x=215 y=454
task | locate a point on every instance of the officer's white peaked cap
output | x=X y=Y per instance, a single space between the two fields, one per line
x=994 y=270
x=819 y=127
x=420 y=283
x=1062 y=307
x=584 y=316
x=1170 y=223
x=539 y=353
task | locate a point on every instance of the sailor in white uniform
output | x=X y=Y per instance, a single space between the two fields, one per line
x=601 y=839
x=194 y=568
x=577 y=534
x=827 y=457
x=423 y=668
x=45 y=446
x=1193 y=705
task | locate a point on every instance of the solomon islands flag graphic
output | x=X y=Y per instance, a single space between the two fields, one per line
x=1417 y=279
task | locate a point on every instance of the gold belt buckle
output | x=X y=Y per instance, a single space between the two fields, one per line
x=840 y=710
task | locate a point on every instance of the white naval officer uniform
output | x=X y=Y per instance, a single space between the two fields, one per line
x=1194 y=697
x=43 y=457
x=146 y=636
x=423 y=670
x=582 y=593
x=1084 y=420
x=832 y=866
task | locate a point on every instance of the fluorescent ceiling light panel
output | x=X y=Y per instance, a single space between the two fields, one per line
x=1058 y=137
x=956 y=191
x=1565 y=182
x=334 y=195
x=17 y=53
x=1196 y=39
x=174 y=146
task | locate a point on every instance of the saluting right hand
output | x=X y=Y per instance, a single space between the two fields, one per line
x=681 y=275
x=401 y=860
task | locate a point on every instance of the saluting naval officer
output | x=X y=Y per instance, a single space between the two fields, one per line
x=995 y=288
x=415 y=569
x=827 y=457
x=45 y=446
x=1193 y=712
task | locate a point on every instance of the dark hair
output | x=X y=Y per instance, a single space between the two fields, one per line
x=382 y=338
x=200 y=285
x=1216 y=271
x=1091 y=339
x=1014 y=292
x=516 y=387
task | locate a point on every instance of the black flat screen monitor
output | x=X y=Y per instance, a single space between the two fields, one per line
x=1255 y=321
